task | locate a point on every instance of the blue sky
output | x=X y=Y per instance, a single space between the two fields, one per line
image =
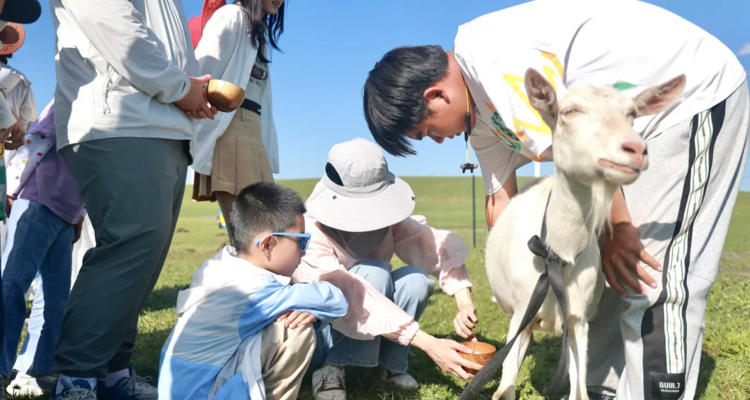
x=329 y=46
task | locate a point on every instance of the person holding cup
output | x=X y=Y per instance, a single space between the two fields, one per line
x=128 y=92
x=360 y=216
x=239 y=147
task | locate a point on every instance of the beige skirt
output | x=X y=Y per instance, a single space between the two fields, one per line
x=240 y=159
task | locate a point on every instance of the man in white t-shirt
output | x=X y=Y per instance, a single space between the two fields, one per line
x=647 y=345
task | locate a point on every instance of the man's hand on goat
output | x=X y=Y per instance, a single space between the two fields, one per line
x=444 y=353
x=620 y=259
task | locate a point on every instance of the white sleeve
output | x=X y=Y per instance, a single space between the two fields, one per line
x=496 y=160
x=116 y=29
x=7 y=119
x=22 y=98
x=217 y=51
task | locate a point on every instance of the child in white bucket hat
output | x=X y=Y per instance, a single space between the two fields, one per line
x=359 y=216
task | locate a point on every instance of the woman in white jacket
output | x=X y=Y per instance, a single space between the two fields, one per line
x=239 y=148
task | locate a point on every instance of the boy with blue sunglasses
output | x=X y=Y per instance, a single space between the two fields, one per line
x=244 y=332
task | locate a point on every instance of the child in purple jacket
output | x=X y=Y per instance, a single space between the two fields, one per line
x=45 y=222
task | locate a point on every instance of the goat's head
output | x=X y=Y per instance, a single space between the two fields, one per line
x=592 y=127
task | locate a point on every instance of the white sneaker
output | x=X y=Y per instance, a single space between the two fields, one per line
x=328 y=383
x=29 y=386
x=401 y=380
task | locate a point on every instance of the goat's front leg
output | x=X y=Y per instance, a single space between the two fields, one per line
x=512 y=363
x=578 y=340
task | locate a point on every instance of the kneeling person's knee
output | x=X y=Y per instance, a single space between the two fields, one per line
x=286 y=345
x=378 y=274
x=415 y=283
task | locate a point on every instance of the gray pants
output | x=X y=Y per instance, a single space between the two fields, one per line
x=133 y=190
x=648 y=346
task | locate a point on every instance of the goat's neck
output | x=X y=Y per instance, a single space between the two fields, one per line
x=575 y=215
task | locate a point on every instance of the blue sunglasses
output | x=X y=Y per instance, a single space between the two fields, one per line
x=304 y=238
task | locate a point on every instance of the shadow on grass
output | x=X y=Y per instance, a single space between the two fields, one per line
x=163 y=298
x=546 y=353
x=147 y=353
x=708 y=365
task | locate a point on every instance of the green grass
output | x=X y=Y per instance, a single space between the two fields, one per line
x=446 y=202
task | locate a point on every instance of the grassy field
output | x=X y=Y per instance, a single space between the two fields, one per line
x=446 y=202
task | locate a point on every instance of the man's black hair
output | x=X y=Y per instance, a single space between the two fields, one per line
x=262 y=207
x=393 y=96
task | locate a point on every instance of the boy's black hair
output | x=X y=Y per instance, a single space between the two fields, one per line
x=393 y=96
x=262 y=207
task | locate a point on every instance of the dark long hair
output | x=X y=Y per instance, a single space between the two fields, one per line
x=263 y=28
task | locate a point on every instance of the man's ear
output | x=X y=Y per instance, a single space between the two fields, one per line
x=434 y=92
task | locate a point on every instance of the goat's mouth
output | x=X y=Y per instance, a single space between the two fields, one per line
x=618 y=167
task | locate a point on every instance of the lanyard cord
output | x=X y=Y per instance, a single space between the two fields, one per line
x=467 y=135
x=468 y=165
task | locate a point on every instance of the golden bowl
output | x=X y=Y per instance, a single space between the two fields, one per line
x=225 y=96
x=481 y=354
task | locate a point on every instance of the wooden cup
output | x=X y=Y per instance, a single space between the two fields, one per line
x=481 y=354
x=225 y=96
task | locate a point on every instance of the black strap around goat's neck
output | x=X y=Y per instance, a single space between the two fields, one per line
x=552 y=276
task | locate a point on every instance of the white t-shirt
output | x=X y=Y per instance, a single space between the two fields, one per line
x=626 y=43
x=258 y=82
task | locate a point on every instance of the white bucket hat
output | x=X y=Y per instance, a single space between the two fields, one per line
x=357 y=192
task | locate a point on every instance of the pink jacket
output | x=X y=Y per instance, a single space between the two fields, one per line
x=436 y=252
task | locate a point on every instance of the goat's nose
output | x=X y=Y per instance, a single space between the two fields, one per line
x=637 y=150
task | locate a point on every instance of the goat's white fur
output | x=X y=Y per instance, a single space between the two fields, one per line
x=579 y=207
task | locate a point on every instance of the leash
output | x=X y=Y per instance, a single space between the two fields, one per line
x=552 y=276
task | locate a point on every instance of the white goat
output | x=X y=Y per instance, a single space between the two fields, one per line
x=596 y=151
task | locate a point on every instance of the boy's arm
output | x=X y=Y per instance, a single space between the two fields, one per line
x=496 y=203
x=498 y=164
x=116 y=29
x=323 y=300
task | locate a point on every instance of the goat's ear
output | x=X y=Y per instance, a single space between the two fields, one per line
x=659 y=98
x=542 y=96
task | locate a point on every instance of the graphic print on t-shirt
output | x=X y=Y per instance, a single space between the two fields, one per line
x=259 y=74
x=531 y=124
x=501 y=131
x=259 y=78
x=260 y=71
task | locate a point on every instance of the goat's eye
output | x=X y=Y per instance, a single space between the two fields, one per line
x=569 y=112
x=633 y=114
